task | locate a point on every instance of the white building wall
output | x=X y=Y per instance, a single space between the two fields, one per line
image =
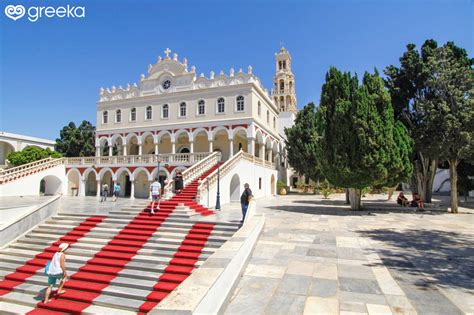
x=247 y=172
x=56 y=183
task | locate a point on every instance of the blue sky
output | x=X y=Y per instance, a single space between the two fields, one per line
x=51 y=70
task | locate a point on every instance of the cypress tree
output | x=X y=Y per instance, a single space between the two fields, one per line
x=359 y=143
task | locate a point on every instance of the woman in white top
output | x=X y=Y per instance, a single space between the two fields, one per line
x=57 y=270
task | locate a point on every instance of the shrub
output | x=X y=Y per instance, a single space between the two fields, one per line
x=31 y=154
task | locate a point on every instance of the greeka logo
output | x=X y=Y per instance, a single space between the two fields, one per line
x=16 y=12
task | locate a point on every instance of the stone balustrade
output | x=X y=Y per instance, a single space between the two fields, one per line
x=10 y=174
x=132 y=160
x=194 y=171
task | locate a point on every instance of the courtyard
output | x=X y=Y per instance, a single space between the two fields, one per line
x=317 y=257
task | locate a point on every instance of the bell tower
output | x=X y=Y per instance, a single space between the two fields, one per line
x=283 y=92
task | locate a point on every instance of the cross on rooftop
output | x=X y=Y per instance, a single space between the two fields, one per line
x=167 y=52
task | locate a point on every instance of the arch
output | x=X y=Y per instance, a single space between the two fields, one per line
x=121 y=170
x=50 y=185
x=178 y=134
x=139 y=169
x=161 y=134
x=201 y=140
x=132 y=144
x=234 y=188
x=240 y=139
x=163 y=171
x=178 y=168
x=142 y=183
x=117 y=142
x=103 y=140
x=123 y=177
x=148 y=143
x=103 y=171
x=90 y=182
x=272 y=185
x=88 y=171
x=216 y=130
x=5 y=149
x=73 y=181
x=221 y=142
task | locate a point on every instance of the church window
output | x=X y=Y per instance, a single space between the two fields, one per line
x=240 y=103
x=259 y=108
x=133 y=114
x=201 y=107
x=182 y=109
x=284 y=64
x=149 y=112
x=118 y=115
x=220 y=105
x=165 y=113
x=105 y=117
x=268 y=117
x=282 y=86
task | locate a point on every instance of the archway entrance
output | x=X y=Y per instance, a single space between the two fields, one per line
x=235 y=188
x=50 y=185
x=73 y=179
x=142 y=185
x=5 y=149
x=91 y=184
x=123 y=179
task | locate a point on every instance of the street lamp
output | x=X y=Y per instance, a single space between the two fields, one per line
x=218 y=198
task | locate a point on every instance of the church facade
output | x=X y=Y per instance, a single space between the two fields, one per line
x=174 y=112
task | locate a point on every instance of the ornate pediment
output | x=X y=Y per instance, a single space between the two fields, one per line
x=169 y=75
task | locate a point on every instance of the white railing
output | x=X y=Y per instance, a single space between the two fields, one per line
x=211 y=179
x=194 y=171
x=10 y=174
x=138 y=159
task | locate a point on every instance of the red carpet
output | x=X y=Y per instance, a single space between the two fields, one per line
x=180 y=266
x=87 y=284
x=33 y=265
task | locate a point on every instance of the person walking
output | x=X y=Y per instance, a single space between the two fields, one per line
x=105 y=192
x=116 y=191
x=245 y=200
x=56 y=270
x=178 y=182
x=155 y=189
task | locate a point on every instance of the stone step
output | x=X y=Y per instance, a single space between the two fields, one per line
x=99 y=243
x=152 y=241
x=106 y=228
x=127 y=273
x=79 y=249
x=14 y=308
x=82 y=216
x=27 y=294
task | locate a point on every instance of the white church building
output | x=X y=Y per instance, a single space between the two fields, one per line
x=177 y=118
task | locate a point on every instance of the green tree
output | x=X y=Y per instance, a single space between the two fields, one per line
x=408 y=86
x=466 y=177
x=359 y=143
x=301 y=143
x=31 y=154
x=450 y=111
x=77 y=141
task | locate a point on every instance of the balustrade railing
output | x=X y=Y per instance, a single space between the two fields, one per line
x=138 y=159
x=7 y=175
x=194 y=171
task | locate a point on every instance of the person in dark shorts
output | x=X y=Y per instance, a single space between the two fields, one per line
x=155 y=189
x=56 y=270
x=245 y=200
x=178 y=182
x=417 y=202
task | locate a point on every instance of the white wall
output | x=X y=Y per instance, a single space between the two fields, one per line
x=442 y=175
x=56 y=182
x=247 y=172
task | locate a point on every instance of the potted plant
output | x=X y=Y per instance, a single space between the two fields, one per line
x=281 y=187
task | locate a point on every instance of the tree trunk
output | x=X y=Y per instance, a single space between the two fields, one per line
x=354 y=197
x=453 y=177
x=390 y=192
x=423 y=176
x=347 y=196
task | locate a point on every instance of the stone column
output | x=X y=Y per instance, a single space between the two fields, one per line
x=270 y=156
x=173 y=147
x=191 y=147
x=211 y=146
x=98 y=188
x=82 y=188
x=110 y=150
x=251 y=146
x=261 y=151
x=124 y=150
x=97 y=151
x=132 y=189
x=156 y=149
x=231 y=148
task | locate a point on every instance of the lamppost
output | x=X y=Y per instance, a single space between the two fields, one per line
x=218 y=198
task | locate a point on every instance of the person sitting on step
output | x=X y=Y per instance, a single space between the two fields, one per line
x=402 y=200
x=417 y=201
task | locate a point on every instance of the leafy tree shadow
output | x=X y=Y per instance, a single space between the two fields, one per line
x=427 y=257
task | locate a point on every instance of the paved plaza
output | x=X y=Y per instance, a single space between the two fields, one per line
x=317 y=257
